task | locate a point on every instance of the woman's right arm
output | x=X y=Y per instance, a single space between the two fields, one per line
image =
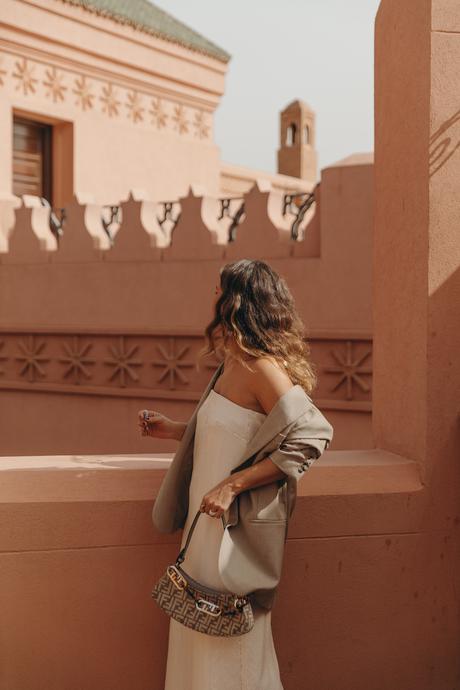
x=178 y=430
x=159 y=426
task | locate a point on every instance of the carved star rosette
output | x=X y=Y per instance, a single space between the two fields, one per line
x=123 y=362
x=172 y=363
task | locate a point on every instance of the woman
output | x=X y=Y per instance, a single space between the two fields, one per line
x=255 y=400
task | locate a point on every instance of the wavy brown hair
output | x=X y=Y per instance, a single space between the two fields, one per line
x=257 y=310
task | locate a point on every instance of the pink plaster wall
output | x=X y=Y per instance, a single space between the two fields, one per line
x=150 y=296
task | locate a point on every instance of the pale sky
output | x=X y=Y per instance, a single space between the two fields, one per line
x=320 y=51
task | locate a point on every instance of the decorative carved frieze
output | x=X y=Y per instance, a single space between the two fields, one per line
x=113 y=98
x=163 y=366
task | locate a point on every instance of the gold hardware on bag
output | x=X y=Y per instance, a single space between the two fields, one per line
x=208 y=607
x=176 y=577
x=239 y=602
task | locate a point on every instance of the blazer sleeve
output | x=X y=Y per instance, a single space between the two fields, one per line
x=305 y=441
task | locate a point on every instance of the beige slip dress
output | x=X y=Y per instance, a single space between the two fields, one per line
x=197 y=661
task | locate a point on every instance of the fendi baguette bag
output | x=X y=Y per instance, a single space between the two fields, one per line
x=202 y=608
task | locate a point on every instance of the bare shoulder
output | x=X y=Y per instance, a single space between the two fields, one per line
x=268 y=381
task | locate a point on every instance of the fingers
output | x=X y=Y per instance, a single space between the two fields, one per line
x=145 y=414
x=142 y=422
x=145 y=418
x=142 y=414
x=211 y=509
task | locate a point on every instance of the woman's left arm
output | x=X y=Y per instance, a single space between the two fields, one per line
x=219 y=499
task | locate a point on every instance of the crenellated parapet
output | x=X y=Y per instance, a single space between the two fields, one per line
x=30 y=239
x=265 y=223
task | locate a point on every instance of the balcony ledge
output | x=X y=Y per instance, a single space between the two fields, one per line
x=78 y=501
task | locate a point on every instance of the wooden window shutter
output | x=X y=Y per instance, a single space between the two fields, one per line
x=32 y=158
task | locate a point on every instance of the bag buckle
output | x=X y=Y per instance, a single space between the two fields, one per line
x=239 y=602
x=208 y=607
x=176 y=577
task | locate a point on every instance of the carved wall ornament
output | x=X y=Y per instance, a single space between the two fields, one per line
x=159 y=116
x=2 y=71
x=31 y=348
x=83 y=92
x=349 y=369
x=3 y=358
x=123 y=362
x=171 y=362
x=200 y=125
x=24 y=75
x=180 y=119
x=134 y=106
x=109 y=100
x=54 y=84
x=76 y=359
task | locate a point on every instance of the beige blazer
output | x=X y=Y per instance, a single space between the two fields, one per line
x=293 y=434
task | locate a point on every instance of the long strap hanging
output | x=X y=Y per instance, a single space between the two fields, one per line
x=181 y=555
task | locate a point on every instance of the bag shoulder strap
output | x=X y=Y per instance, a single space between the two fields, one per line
x=181 y=555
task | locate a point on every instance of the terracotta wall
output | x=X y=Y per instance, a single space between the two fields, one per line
x=416 y=294
x=93 y=330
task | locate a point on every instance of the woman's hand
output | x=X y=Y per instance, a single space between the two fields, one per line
x=218 y=500
x=156 y=425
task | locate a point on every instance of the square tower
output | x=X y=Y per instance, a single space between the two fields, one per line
x=297 y=155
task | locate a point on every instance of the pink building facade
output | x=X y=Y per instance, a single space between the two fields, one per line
x=99 y=101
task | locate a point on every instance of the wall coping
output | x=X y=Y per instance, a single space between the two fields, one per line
x=98 y=477
x=67 y=502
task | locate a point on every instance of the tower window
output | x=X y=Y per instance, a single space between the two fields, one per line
x=291 y=134
x=306 y=134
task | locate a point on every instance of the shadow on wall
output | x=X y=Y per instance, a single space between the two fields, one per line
x=444 y=143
